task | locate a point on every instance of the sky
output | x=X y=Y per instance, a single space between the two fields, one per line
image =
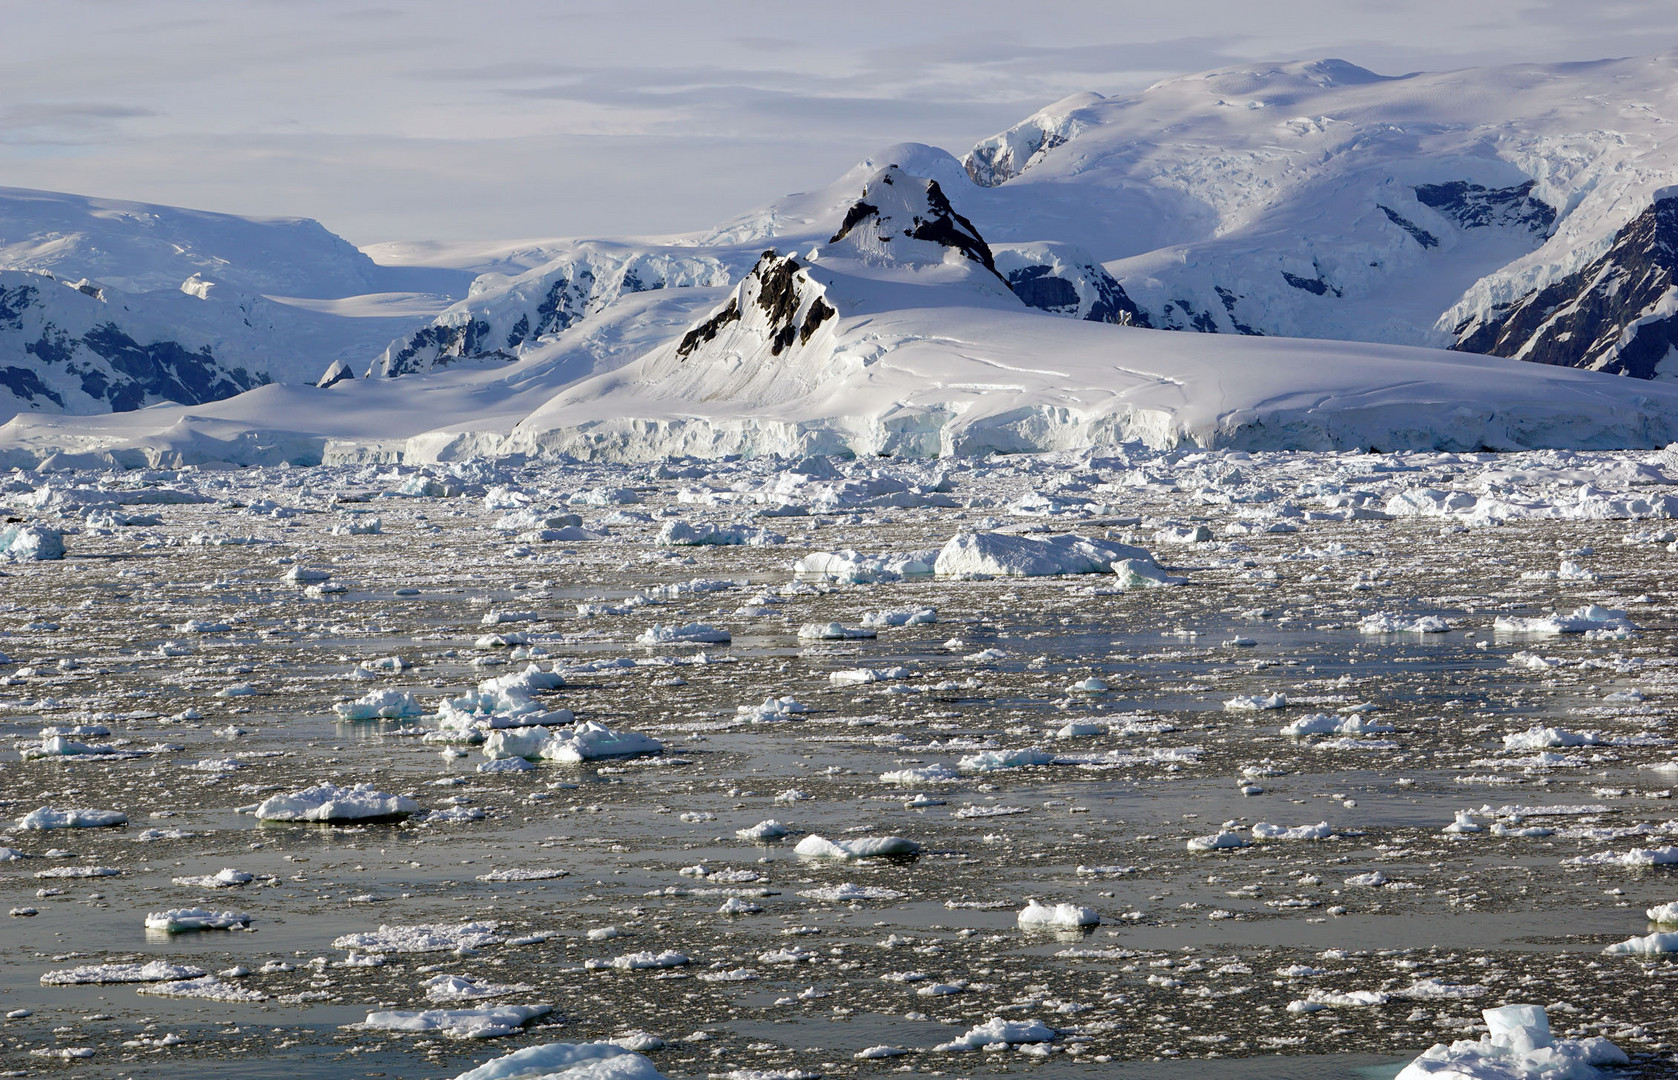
x=487 y=120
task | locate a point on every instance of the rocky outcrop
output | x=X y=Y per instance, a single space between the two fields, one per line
x=905 y=219
x=776 y=307
x=1065 y=280
x=1615 y=314
x=68 y=348
x=505 y=316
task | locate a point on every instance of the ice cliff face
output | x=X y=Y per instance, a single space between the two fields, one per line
x=77 y=348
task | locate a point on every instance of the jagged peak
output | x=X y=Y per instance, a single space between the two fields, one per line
x=906 y=219
x=778 y=305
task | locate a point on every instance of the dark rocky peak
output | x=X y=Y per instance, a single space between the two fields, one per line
x=1473 y=206
x=1613 y=315
x=778 y=305
x=895 y=211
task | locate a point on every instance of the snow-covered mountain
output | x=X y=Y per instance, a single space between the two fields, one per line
x=1009 y=300
x=113 y=305
x=86 y=350
x=1319 y=199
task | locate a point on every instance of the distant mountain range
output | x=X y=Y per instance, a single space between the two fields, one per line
x=1520 y=212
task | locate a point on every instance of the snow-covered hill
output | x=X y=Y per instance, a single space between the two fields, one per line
x=184 y=305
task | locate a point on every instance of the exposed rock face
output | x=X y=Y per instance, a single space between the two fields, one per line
x=503 y=317
x=64 y=348
x=896 y=206
x=1615 y=314
x=778 y=305
x=1065 y=280
x=1473 y=206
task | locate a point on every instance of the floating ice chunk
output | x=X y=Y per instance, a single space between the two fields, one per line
x=1091 y=685
x=327 y=802
x=681 y=534
x=586 y=742
x=999 y=760
x=185 y=920
x=364 y=526
x=734 y=905
x=306 y=575
x=863 y=676
x=1388 y=623
x=1266 y=831
x=1327 y=724
x=203 y=988
x=833 y=632
x=1519 y=1046
x=838 y=894
x=925 y=774
x=1142 y=574
x=58 y=746
x=1665 y=914
x=1324 y=999
x=865 y=847
x=49 y=818
x=1582 y=620
x=80 y=872
x=1256 y=703
x=567 y=1061
x=227 y=878
x=1057 y=916
x=1372 y=880
x=904 y=617
x=999 y=1031
x=854 y=568
x=1464 y=823
x=1538 y=737
x=30 y=543
x=641 y=961
x=1649 y=943
x=702 y=633
x=875 y=1053
x=993 y=554
x=488 y=1022
x=465 y=988
x=1184 y=534
x=154 y=971
x=1218 y=841
x=775 y=708
x=763 y=830
x=380 y=704
x=538 y=873
x=422 y=938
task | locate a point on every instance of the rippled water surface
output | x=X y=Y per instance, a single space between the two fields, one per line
x=215 y=679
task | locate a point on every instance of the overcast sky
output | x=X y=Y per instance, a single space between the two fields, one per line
x=501 y=119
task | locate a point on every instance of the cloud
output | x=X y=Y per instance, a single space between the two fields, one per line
x=524 y=117
x=64 y=123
